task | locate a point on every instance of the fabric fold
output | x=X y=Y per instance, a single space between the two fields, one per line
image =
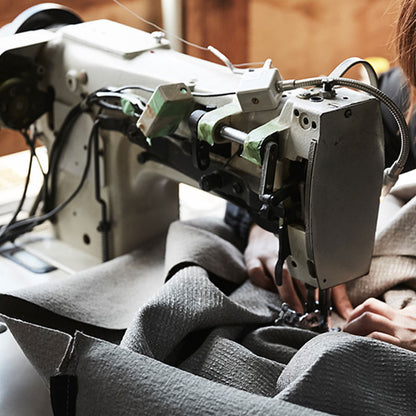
x=205 y=341
x=113 y=380
x=348 y=375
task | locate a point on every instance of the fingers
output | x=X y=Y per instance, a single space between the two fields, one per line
x=290 y=289
x=261 y=248
x=373 y=318
x=370 y=323
x=377 y=320
x=261 y=256
x=261 y=276
x=270 y=265
x=288 y=292
x=341 y=301
x=258 y=275
x=385 y=337
x=301 y=289
x=373 y=306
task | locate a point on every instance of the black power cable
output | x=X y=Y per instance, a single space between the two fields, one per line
x=18 y=228
x=49 y=190
x=5 y=227
x=104 y=225
x=195 y=94
x=14 y=228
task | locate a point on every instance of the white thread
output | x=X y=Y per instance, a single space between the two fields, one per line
x=226 y=61
x=159 y=28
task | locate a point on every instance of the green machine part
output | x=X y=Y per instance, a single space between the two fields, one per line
x=211 y=121
x=167 y=107
x=257 y=137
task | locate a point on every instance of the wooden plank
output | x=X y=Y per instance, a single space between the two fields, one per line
x=11 y=142
x=96 y=9
x=309 y=38
x=220 y=23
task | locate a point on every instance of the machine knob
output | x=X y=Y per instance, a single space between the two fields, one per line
x=210 y=182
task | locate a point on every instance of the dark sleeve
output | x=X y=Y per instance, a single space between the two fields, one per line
x=239 y=220
x=393 y=83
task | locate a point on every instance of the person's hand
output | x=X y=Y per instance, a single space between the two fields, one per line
x=341 y=301
x=261 y=256
x=375 y=319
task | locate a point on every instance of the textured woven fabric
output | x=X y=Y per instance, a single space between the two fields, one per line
x=105 y=296
x=347 y=375
x=193 y=325
x=117 y=381
x=392 y=273
x=205 y=343
x=335 y=373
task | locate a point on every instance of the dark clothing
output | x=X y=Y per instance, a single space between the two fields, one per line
x=239 y=219
x=393 y=84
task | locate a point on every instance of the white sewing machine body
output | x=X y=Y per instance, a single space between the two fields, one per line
x=327 y=162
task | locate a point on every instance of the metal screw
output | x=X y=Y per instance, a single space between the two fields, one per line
x=304 y=95
x=348 y=113
x=237 y=188
x=158 y=36
x=75 y=78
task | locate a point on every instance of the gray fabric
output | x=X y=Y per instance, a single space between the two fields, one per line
x=277 y=343
x=107 y=295
x=194 y=242
x=201 y=346
x=348 y=375
x=399 y=238
x=335 y=373
x=225 y=361
x=189 y=303
x=392 y=275
x=45 y=348
x=116 y=381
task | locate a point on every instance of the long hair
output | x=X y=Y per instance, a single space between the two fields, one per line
x=406 y=47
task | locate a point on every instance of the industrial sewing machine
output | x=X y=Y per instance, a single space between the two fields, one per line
x=125 y=118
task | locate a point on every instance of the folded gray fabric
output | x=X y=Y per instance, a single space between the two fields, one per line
x=174 y=326
x=195 y=242
x=394 y=261
x=116 y=381
x=348 y=375
x=106 y=296
x=205 y=343
x=334 y=373
x=44 y=347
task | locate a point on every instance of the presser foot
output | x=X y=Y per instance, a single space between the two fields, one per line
x=313 y=321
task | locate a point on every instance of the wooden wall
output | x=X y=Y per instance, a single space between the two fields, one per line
x=309 y=38
x=303 y=37
x=220 y=23
x=94 y=9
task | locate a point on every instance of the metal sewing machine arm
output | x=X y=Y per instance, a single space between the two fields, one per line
x=305 y=158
